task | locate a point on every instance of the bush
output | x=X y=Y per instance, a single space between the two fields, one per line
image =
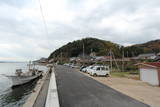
x=130 y=67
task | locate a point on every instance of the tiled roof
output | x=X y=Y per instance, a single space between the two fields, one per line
x=156 y=64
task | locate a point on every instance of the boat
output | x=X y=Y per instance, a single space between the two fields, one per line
x=21 y=78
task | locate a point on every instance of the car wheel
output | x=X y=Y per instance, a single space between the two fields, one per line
x=107 y=75
x=94 y=74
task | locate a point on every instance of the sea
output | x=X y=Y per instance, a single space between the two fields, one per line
x=14 y=97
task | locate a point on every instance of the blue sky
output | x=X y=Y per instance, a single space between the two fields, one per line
x=23 y=36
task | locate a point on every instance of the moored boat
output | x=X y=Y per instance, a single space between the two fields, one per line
x=21 y=78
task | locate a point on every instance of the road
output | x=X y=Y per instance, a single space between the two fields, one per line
x=78 y=90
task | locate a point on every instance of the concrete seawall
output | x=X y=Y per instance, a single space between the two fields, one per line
x=44 y=93
x=52 y=97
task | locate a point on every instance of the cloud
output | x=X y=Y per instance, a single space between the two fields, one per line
x=23 y=35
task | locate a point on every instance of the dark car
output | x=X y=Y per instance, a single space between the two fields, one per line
x=83 y=66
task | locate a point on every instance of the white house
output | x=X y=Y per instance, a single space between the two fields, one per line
x=147 y=56
x=150 y=72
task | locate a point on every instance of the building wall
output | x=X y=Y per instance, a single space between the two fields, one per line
x=159 y=76
x=149 y=75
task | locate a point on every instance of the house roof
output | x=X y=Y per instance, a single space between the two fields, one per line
x=151 y=64
x=156 y=64
x=146 y=55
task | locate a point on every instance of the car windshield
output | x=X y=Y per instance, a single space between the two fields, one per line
x=98 y=68
x=103 y=68
x=92 y=67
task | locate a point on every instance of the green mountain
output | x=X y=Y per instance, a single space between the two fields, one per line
x=75 y=48
x=102 y=47
x=148 y=47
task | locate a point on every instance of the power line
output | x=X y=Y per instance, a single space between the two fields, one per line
x=43 y=18
x=44 y=23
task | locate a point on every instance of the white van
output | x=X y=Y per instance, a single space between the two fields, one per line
x=87 y=69
x=100 y=71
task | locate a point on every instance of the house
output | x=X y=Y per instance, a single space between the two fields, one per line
x=73 y=59
x=157 y=58
x=102 y=58
x=150 y=72
x=147 y=56
x=92 y=54
x=51 y=60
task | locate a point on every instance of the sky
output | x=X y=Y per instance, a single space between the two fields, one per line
x=24 y=37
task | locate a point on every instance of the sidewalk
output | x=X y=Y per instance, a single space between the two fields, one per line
x=134 y=88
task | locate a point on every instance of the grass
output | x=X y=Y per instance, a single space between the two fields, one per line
x=120 y=74
x=124 y=74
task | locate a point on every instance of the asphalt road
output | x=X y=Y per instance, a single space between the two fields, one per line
x=78 y=90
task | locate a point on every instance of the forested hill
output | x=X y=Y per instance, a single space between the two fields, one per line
x=75 y=48
x=102 y=47
x=148 y=47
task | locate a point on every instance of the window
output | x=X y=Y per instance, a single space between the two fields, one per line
x=103 y=68
x=98 y=69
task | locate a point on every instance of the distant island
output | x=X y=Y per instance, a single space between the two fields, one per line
x=12 y=61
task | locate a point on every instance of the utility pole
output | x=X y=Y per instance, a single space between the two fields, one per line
x=111 y=60
x=132 y=54
x=61 y=57
x=127 y=54
x=83 y=53
x=122 y=60
x=83 y=50
x=91 y=50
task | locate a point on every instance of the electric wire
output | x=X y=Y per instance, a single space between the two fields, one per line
x=43 y=18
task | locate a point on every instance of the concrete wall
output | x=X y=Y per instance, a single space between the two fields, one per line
x=149 y=75
x=52 y=97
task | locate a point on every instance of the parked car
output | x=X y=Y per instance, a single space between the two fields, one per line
x=66 y=64
x=70 y=65
x=100 y=71
x=86 y=68
x=89 y=68
x=82 y=67
x=75 y=66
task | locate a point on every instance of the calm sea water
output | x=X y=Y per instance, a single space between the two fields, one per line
x=14 y=97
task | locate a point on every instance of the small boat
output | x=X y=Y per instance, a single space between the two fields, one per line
x=21 y=78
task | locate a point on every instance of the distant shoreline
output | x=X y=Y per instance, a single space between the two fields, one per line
x=12 y=62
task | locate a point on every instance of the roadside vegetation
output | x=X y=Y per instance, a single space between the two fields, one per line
x=128 y=70
x=131 y=73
